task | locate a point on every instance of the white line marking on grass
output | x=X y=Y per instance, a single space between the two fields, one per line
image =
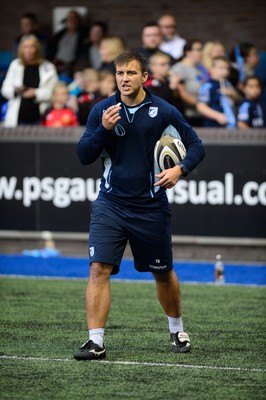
x=34 y=358
x=183 y=366
x=149 y=364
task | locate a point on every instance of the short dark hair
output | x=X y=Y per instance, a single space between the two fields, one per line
x=250 y=78
x=30 y=15
x=128 y=56
x=149 y=24
x=102 y=24
x=189 y=44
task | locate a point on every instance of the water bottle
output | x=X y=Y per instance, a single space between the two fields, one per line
x=49 y=246
x=49 y=249
x=219 y=270
x=47 y=236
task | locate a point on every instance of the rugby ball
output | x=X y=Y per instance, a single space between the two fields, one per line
x=168 y=152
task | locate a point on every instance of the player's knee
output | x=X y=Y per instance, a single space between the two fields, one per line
x=99 y=271
x=166 y=277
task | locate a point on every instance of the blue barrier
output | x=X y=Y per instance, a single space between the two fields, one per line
x=74 y=267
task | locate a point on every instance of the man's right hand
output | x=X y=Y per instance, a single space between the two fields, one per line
x=111 y=117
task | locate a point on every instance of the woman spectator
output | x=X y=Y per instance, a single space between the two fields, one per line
x=211 y=50
x=110 y=48
x=28 y=85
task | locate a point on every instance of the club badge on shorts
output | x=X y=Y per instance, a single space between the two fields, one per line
x=153 y=111
x=91 y=251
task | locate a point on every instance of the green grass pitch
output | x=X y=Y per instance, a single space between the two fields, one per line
x=43 y=323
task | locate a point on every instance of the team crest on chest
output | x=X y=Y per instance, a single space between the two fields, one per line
x=153 y=111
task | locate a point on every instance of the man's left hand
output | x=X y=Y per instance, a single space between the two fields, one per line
x=169 y=177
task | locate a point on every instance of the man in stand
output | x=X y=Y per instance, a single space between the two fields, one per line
x=171 y=43
x=132 y=204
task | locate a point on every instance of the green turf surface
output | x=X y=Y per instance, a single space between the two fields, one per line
x=46 y=319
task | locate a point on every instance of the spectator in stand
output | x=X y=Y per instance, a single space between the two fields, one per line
x=77 y=85
x=28 y=84
x=191 y=76
x=91 y=48
x=162 y=82
x=211 y=50
x=217 y=97
x=110 y=48
x=245 y=58
x=91 y=77
x=151 y=38
x=59 y=114
x=107 y=84
x=29 y=25
x=66 y=45
x=261 y=74
x=85 y=99
x=96 y=91
x=251 y=113
x=171 y=43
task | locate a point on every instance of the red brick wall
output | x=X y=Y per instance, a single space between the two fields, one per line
x=226 y=20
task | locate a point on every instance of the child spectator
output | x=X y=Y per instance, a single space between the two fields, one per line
x=59 y=114
x=85 y=100
x=162 y=81
x=250 y=112
x=98 y=90
x=107 y=83
x=77 y=86
x=217 y=96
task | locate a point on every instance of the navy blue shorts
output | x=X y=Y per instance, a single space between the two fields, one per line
x=148 y=233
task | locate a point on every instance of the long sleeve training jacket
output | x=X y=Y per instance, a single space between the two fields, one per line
x=127 y=151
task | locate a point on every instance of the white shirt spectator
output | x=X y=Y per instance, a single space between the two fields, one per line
x=172 y=43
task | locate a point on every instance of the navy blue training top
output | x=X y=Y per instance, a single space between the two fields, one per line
x=127 y=151
x=251 y=112
x=210 y=94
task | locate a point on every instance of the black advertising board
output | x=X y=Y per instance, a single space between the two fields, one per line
x=44 y=187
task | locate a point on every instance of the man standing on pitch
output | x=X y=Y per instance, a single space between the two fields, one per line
x=132 y=204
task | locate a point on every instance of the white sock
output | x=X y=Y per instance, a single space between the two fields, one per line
x=175 y=324
x=96 y=335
